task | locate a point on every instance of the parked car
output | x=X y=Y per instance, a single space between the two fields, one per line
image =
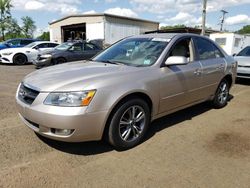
x=21 y=56
x=121 y=90
x=243 y=58
x=67 y=52
x=16 y=43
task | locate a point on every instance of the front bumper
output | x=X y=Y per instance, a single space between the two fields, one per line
x=5 y=59
x=243 y=72
x=42 y=62
x=44 y=119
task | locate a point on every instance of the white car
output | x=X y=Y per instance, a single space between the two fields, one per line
x=243 y=58
x=26 y=54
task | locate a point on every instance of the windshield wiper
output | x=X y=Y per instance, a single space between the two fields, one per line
x=113 y=62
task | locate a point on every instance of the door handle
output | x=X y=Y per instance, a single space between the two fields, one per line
x=198 y=72
x=220 y=67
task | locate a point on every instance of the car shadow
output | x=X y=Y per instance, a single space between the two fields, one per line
x=178 y=117
x=242 y=81
x=98 y=147
x=14 y=65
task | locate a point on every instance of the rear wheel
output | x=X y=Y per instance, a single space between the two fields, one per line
x=20 y=59
x=129 y=124
x=221 y=95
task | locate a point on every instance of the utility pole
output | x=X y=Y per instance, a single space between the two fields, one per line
x=204 y=12
x=222 y=19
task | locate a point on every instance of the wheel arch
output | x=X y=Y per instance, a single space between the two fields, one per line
x=20 y=53
x=137 y=94
x=229 y=79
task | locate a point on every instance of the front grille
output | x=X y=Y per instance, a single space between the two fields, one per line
x=241 y=74
x=26 y=94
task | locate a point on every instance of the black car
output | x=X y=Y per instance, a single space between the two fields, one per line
x=67 y=52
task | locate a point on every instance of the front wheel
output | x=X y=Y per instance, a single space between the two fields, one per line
x=221 y=95
x=20 y=59
x=129 y=124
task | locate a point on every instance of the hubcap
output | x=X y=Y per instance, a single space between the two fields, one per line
x=132 y=123
x=223 y=93
x=20 y=59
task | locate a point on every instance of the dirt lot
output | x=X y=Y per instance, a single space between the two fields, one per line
x=197 y=147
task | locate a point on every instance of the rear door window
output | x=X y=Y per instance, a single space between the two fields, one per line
x=206 y=49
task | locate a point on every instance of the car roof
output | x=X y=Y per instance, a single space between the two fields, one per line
x=41 y=42
x=165 y=35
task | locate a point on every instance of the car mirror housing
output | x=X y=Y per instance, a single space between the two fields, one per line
x=176 y=60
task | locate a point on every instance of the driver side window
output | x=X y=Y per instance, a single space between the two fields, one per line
x=183 y=48
x=77 y=47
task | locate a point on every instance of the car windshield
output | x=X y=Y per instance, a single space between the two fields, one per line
x=64 y=46
x=244 y=52
x=31 y=45
x=134 y=52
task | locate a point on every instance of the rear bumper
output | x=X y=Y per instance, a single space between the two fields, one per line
x=44 y=119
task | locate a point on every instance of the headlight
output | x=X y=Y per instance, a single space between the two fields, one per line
x=46 y=56
x=71 y=99
x=7 y=53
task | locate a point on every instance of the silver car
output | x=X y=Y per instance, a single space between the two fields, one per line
x=120 y=91
x=243 y=58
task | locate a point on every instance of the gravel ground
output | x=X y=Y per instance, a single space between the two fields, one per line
x=196 y=147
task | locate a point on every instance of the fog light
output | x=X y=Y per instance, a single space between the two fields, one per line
x=62 y=132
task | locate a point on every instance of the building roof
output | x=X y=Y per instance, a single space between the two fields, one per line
x=183 y=30
x=105 y=15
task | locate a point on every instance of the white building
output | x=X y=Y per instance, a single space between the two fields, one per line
x=232 y=43
x=110 y=28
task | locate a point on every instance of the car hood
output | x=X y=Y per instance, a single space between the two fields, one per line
x=243 y=60
x=75 y=76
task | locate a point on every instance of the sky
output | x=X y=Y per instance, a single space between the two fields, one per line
x=166 y=12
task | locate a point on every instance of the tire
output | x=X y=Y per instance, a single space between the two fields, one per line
x=60 y=60
x=222 y=93
x=127 y=130
x=20 y=59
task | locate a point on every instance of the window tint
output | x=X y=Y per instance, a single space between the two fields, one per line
x=181 y=49
x=76 y=47
x=26 y=42
x=206 y=49
x=43 y=45
x=52 y=45
x=89 y=46
x=245 y=52
x=14 y=42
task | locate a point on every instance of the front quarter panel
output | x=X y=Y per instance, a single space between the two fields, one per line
x=113 y=90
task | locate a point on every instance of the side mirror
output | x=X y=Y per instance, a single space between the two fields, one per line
x=234 y=54
x=36 y=48
x=176 y=60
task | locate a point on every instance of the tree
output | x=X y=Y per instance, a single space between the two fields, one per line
x=28 y=26
x=44 y=36
x=13 y=29
x=244 y=30
x=5 y=15
x=172 y=27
